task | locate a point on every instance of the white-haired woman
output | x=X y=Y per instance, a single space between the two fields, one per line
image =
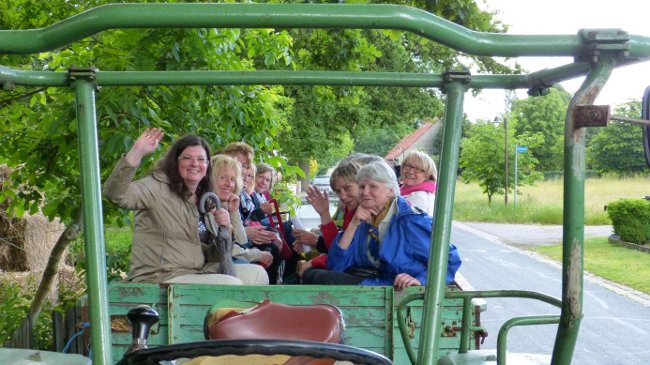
x=387 y=242
x=418 y=174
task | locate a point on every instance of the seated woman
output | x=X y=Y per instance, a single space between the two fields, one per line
x=418 y=176
x=226 y=173
x=387 y=241
x=261 y=193
x=168 y=229
x=264 y=180
x=344 y=183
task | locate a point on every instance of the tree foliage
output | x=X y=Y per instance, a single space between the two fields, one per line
x=618 y=149
x=322 y=116
x=39 y=138
x=482 y=158
x=543 y=118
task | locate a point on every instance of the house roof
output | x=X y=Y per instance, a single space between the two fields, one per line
x=409 y=141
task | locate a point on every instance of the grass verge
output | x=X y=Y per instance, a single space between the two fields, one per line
x=614 y=263
x=542 y=203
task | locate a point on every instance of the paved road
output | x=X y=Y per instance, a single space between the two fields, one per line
x=532 y=234
x=616 y=324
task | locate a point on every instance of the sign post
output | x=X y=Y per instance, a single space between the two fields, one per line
x=518 y=150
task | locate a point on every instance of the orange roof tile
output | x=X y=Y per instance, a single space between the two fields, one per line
x=407 y=142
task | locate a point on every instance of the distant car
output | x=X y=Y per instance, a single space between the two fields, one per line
x=323 y=183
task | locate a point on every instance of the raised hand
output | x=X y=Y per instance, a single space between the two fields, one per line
x=144 y=145
x=319 y=200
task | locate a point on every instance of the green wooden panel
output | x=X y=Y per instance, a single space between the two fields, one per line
x=366 y=310
x=293 y=294
x=123 y=296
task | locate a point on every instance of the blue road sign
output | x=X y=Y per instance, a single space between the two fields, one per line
x=521 y=149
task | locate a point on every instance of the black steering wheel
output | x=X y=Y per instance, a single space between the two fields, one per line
x=153 y=356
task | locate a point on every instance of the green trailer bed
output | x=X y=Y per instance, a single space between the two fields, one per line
x=369 y=313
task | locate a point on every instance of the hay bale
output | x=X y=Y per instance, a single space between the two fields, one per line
x=40 y=235
x=25 y=243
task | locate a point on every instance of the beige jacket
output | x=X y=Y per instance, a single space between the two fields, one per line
x=166 y=240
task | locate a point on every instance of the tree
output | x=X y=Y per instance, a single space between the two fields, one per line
x=543 y=117
x=38 y=139
x=618 y=149
x=321 y=117
x=482 y=159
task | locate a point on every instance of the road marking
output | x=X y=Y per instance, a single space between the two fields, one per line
x=633 y=294
x=594 y=297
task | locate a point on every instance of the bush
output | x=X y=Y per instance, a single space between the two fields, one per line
x=631 y=219
x=15 y=300
x=118 y=253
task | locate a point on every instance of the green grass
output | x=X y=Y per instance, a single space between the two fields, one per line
x=120 y=236
x=542 y=202
x=618 y=264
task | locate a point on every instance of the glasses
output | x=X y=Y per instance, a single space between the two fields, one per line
x=200 y=159
x=411 y=167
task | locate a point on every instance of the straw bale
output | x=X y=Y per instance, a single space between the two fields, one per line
x=25 y=243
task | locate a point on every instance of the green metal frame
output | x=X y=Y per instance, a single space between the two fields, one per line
x=467 y=328
x=596 y=53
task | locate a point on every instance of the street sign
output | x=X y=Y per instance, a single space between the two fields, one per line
x=522 y=149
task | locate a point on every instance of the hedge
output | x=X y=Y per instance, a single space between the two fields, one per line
x=631 y=219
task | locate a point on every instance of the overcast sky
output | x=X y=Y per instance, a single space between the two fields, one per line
x=567 y=17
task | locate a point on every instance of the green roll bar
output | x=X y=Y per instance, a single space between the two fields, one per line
x=596 y=51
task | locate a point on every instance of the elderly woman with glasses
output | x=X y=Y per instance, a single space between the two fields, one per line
x=168 y=229
x=387 y=242
x=418 y=175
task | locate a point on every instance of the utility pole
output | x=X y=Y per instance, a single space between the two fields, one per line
x=505 y=151
x=497 y=120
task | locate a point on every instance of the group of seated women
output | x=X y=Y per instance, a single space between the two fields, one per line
x=382 y=240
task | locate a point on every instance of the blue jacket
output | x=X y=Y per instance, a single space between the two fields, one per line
x=405 y=248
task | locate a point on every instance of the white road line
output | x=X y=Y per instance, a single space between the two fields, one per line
x=623 y=290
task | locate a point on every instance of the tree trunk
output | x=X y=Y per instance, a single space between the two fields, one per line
x=305 y=181
x=70 y=233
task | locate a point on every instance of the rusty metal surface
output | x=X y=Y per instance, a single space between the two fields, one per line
x=591 y=116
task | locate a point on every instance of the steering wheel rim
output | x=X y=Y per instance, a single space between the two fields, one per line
x=153 y=355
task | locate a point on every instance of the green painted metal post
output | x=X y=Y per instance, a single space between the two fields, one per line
x=574 y=212
x=92 y=216
x=455 y=88
x=518 y=321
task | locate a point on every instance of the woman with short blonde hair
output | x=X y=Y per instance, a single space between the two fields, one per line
x=418 y=174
